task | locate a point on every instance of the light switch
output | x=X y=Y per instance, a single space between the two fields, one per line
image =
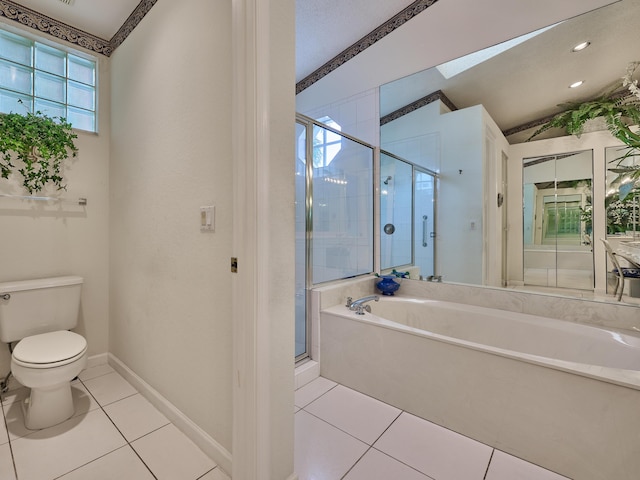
x=207 y=218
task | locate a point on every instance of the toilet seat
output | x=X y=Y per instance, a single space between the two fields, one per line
x=49 y=350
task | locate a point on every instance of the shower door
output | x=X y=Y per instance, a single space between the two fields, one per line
x=407 y=215
x=301 y=323
x=424 y=187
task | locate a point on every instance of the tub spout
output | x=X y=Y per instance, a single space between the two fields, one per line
x=433 y=278
x=359 y=306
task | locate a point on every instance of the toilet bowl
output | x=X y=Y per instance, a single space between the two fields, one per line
x=46 y=363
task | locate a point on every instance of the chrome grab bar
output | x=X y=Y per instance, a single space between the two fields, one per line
x=424 y=230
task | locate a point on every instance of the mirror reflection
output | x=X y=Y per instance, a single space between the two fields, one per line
x=557 y=224
x=511 y=212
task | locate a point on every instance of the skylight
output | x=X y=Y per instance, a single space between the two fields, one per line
x=459 y=65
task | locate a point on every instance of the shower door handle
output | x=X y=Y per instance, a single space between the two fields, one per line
x=424 y=230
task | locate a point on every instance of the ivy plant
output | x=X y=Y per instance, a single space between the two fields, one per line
x=35 y=145
x=620 y=111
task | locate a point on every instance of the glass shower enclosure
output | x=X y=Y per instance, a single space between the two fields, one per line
x=407 y=215
x=334 y=213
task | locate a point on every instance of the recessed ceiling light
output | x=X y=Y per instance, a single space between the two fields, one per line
x=576 y=84
x=580 y=46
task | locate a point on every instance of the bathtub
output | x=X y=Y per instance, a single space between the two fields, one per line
x=563 y=395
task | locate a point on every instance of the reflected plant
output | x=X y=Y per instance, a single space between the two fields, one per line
x=620 y=110
x=620 y=213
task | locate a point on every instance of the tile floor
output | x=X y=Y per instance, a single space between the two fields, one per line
x=114 y=434
x=343 y=434
x=340 y=434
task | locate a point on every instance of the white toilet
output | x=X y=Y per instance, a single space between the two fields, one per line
x=38 y=314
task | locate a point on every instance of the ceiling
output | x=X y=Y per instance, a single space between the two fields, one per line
x=324 y=29
x=101 y=18
x=518 y=86
x=530 y=80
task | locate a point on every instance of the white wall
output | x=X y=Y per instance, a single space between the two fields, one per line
x=171 y=312
x=40 y=239
x=357 y=115
x=459 y=240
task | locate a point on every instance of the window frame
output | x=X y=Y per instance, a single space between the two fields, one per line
x=34 y=40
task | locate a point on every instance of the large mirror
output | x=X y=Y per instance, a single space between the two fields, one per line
x=470 y=120
x=557 y=230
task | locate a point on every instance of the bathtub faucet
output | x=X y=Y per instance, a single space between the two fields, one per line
x=359 y=306
x=433 y=278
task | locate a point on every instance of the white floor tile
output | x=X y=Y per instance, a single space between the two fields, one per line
x=14 y=395
x=312 y=390
x=359 y=415
x=171 y=455
x=65 y=447
x=82 y=402
x=433 y=450
x=135 y=416
x=109 y=388
x=122 y=464
x=6 y=463
x=215 y=474
x=322 y=452
x=507 y=467
x=97 y=371
x=376 y=465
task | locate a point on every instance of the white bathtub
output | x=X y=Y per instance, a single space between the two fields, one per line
x=559 y=394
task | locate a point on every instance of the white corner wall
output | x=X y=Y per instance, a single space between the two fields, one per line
x=460 y=193
x=41 y=239
x=170 y=283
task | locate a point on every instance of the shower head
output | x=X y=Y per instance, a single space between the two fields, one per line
x=386 y=182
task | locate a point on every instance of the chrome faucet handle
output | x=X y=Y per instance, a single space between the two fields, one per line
x=349 y=302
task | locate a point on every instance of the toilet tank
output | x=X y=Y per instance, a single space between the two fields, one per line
x=29 y=307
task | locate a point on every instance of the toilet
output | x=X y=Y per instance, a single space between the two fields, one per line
x=38 y=314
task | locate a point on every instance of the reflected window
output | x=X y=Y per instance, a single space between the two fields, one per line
x=326 y=144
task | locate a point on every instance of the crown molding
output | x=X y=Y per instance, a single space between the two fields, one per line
x=365 y=42
x=61 y=31
x=132 y=22
x=421 y=102
x=43 y=24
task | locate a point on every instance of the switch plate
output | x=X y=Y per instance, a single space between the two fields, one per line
x=207 y=218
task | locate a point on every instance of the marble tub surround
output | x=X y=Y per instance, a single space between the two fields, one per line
x=603 y=314
x=594 y=312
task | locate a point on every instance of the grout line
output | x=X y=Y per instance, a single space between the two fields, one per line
x=403 y=463
x=388 y=427
x=320 y=396
x=486 y=472
x=6 y=427
x=116 y=427
x=337 y=428
x=356 y=462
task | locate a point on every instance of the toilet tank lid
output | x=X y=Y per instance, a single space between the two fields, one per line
x=20 y=285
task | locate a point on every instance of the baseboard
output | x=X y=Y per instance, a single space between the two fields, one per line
x=204 y=441
x=97 y=360
x=306 y=373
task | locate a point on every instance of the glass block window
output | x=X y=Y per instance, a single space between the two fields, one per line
x=38 y=77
